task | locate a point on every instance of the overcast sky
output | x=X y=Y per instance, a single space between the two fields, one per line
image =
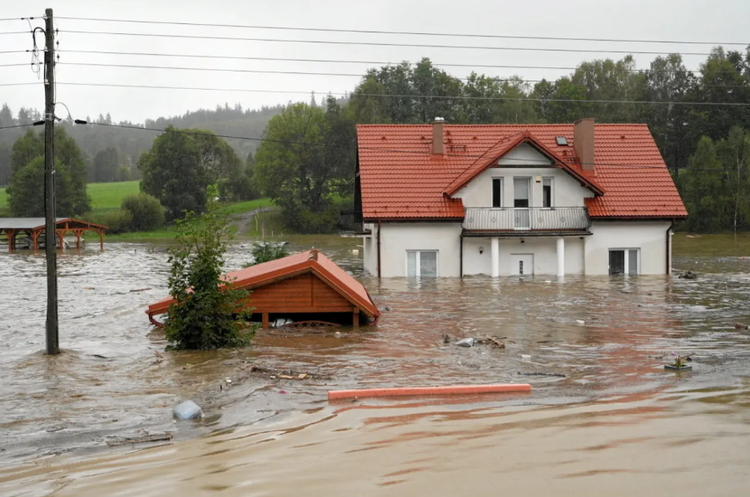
x=701 y=20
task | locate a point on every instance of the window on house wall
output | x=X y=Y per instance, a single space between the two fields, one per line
x=497 y=192
x=547 y=192
x=624 y=261
x=421 y=263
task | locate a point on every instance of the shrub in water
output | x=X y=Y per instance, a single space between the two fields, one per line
x=208 y=313
x=145 y=210
x=117 y=221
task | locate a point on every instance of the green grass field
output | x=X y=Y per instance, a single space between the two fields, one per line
x=109 y=196
x=106 y=197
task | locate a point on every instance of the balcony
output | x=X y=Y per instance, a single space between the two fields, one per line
x=531 y=221
x=351 y=223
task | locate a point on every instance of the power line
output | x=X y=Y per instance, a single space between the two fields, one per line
x=21 y=84
x=310 y=73
x=14 y=33
x=17 y=64
x=14 y=51
x=373 y=43
x=340 y=61
x=377 y=149
x=325 y=61
x=444 y=97
x=409 y=33
x=17 y=126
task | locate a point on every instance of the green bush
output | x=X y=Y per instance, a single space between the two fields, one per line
x=267 y=251
x=119 y=221
x=204 y=315
x=146 y=212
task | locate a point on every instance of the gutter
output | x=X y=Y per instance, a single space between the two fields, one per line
x=669 y=248
x=461 y=257
x=378 y=248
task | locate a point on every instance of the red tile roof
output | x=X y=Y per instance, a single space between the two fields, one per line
x=293 y=265
x=401 y=179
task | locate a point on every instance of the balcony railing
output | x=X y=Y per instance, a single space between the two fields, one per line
x=351 y=222
x=527 y=219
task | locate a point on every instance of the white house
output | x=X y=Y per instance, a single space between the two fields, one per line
x=453 y=200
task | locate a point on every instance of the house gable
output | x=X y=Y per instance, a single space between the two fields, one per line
x=498 y=155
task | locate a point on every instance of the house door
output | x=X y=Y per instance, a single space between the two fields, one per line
x=521 y=196
x=521 y=264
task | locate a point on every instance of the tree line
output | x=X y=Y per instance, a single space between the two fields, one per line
x=307 y=157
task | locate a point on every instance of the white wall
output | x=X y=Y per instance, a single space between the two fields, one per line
x=543 y=248
x=397 y=238
x=649 y=236
x=566 y=190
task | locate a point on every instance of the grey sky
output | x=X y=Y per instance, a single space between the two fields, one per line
x=709 y=20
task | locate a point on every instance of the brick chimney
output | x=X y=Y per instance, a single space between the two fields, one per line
x=583 y=142
x=437 y=136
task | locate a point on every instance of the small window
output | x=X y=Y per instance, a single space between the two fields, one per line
x=547 y=192
x=624 y=261
x=497 y=192
x=562 y=141
x=421 y=263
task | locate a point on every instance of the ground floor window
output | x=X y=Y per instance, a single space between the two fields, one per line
x=624 y=261
x=421 y=263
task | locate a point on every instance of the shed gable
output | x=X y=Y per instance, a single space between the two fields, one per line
x=302 y=293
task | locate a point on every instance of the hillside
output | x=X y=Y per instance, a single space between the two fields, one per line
x=131 y=143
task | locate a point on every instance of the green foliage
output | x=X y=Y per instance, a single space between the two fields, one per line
x=267 y=251
x=208 y=313
x=182 y=164
x=27 y=182
x=293 y=167
x=146 y=212
x=716 y=185
x=117 y=222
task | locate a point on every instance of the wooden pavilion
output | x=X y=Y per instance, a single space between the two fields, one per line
x=34 y=227
x=305 y=288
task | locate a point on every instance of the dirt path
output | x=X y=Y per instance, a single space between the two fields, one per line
x=242 y=221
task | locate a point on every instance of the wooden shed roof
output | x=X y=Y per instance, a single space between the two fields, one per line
x=36 y=223
x=288 y=267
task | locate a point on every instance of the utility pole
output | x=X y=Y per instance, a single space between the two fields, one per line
x=53 y=343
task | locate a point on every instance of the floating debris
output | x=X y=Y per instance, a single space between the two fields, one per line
x=155 y=437
x=688 y=275
x=187 y=410
x=466 y=342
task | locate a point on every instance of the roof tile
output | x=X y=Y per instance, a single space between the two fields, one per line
x=401 y=179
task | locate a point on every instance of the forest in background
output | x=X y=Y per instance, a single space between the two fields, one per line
x=700 y=121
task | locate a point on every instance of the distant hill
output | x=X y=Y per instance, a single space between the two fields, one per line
x=131 y=143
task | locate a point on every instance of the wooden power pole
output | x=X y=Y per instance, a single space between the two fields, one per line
x=53 y=343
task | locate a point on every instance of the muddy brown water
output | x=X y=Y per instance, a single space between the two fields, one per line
x=603 y=417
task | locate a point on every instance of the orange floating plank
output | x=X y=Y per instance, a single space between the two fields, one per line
x=446 y=390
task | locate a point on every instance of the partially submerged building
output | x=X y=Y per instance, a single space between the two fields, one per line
x=305 y=288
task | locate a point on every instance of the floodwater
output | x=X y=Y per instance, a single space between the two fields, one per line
x=604 y=417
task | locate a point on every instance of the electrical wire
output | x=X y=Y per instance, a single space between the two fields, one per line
x=13 y=33
x=17 y=126
x=409 y=33
x=374 y=43
x=325 y=61
x=443 y=97
x=310 y=73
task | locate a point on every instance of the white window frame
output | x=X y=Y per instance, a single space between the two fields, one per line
x=626 y=268
x=551 y=193
x=418 y=262
x=502 y=191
